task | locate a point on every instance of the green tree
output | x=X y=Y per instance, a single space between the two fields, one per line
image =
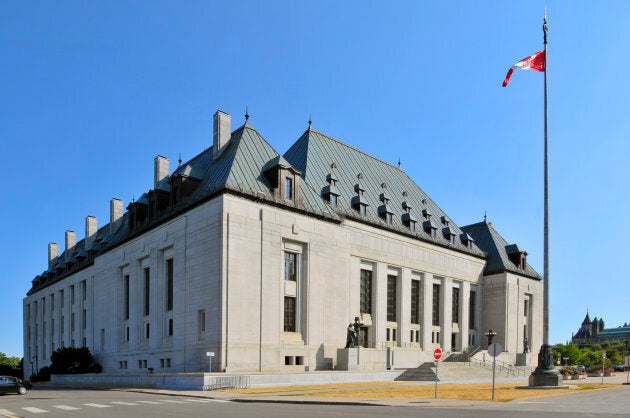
x=73 y=360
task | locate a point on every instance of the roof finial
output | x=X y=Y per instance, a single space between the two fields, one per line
x=310 y=121
x=398 y=162
x=246 y=113
x=484 y=217
x=180 y=160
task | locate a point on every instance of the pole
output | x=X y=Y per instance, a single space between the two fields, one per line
x=436 y=376
x=546 y=208
x=494 y=365
x=603 y=367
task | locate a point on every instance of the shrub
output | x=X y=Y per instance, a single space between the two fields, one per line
x=73 y=360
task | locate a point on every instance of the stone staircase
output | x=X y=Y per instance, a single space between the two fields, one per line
x=453 y=370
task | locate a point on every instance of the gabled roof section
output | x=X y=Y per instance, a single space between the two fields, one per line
x=317 y=155
x=498 y=260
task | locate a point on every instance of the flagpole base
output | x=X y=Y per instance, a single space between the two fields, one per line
x=546 y=374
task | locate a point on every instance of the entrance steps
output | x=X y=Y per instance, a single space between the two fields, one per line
x=455 y=371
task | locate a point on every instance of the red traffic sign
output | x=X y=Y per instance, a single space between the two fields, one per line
x=437 y=353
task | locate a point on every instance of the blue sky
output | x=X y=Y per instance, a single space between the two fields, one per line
x=93 y=91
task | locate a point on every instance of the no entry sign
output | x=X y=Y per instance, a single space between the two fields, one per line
x=437 y=353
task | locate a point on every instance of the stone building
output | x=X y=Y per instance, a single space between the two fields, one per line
x=594 y=332
x=263 y=259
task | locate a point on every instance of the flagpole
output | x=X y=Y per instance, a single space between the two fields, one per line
x=545 y=374
x=546 y=209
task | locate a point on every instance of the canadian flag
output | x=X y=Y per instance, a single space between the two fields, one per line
x=534 y=62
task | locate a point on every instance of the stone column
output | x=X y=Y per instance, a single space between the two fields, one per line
x=464 y=317
x=403 y=299
x=446 y=315
x=379 y=314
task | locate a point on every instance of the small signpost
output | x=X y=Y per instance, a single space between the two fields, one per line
x=628 y=369
x=437 y=355
x=494 y=350
x=603 y=366
x=210 y=354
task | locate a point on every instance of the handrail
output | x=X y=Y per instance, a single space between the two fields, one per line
x=502 y=367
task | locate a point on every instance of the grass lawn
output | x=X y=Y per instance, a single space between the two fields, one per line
x=503 y=392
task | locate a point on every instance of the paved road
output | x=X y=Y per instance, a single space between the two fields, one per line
x=107 y=403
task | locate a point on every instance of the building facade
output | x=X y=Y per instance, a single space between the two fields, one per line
x=594 y=332
x=262 y=260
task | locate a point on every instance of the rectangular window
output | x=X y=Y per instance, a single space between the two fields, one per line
x=147 y=289
x=366 y=292
x=83 y=290
x=168 y=362
x=202 y=321
x=72 y=295
x=72 y=322
x=455 y=305
x=391 y=298
x=169 y=284
x=127 y=334
x=415 y=299
x=525 y=303
x=52 y=303
x=289 y=314
x=52 y=327
x=362 y=209
x=169 y=331
x=436 y=305
x=84 y=319
x=333 y=199
x=288 y=188
x=290 y=266
x=61 y=301
x=62 y=325
x=472 y=308
x=102 y=340
x=147 y=329
x=126 y=297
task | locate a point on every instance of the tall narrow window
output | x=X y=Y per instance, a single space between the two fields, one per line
x=147 y=289
x=169 y=284
x=84 y=319
x=525 y=306
x=472 y=308
x=83 y=290
x=288 y=188
x=366 y=292
x=391 y=297
x=289 y=314
x=436 y=305
x=126 y=296
x=72 y=295
x=455 y=305
x=201 y=318
x=415 y=298
x=61 y=301
x=290 y=266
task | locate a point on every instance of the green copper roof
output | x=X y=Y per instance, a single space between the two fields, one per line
x=498 y=261
x=317 y=155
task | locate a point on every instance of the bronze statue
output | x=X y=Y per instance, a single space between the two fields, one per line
x=352 y=338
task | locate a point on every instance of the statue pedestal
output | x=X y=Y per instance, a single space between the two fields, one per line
x=522 y=359
x=545 y=380
x=348 y=358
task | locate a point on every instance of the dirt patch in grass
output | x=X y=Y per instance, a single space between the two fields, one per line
x=503 y=392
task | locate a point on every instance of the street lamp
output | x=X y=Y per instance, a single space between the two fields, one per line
x=490 y=334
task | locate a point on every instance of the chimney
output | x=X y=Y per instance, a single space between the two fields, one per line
x=71 y=241
x=91 y=227
x=53 y=251
x=160 y=170
x=221 y=132
x=115 y=214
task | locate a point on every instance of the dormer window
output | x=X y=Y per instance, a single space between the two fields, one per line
x=426 y=214
x=467 y=240
x=445 y=221
x=430 y=228
x=330 y=192
x=284 y=178
x=449 y=234
x=384 y=211
x=517 y=256
x=407 y=218
x=359 y=202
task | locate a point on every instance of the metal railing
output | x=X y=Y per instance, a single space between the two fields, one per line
x=227 y=382
x=503 y=367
